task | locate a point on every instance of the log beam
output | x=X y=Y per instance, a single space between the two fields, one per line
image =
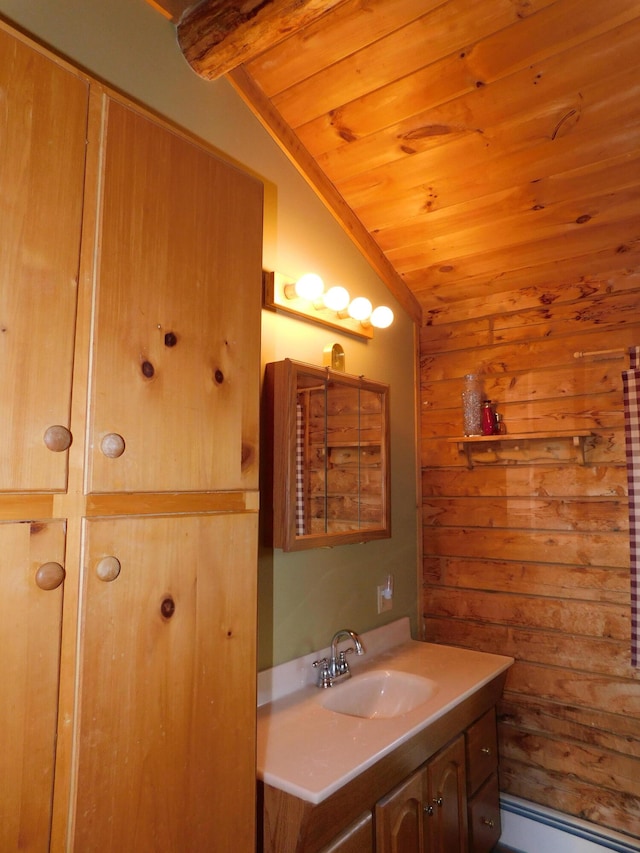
x=217 y=36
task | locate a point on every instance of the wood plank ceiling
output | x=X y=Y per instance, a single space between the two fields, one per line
x=468 y=146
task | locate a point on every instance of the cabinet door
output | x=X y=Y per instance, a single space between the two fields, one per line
x=42 y=138
x=175 y=371
x=167 y=708
x=447 y=797
x=400 y=817
x=32 y=574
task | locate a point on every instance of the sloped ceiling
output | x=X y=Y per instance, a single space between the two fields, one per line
x=469 y=147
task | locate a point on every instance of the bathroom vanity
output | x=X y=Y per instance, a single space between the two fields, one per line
x=424 y=779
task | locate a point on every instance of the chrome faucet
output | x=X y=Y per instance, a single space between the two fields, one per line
x=336 y=668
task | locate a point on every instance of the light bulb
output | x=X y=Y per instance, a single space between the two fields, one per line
x=336 y=298
x=309 y=286
x=360 y=308
x=381 y=317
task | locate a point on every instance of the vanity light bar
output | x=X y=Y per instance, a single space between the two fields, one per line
x=307 y=298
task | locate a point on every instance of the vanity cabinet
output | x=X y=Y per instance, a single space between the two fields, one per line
x=130 y=321
x=427 y=813
x=328 y=439
x=429 y=795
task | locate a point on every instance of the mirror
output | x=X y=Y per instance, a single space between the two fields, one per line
x=330 y=456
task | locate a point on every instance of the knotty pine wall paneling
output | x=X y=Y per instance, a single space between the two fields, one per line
x=527 y=553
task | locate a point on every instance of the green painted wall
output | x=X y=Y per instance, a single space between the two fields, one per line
x=303 y=597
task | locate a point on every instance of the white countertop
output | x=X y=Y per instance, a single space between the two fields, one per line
x=310 y=752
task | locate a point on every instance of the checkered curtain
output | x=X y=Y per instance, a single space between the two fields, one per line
x=631 y=388
x=300 y=525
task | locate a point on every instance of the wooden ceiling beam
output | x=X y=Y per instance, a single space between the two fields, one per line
x=216 y=36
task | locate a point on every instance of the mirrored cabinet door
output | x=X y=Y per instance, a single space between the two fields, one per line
x=328 y=445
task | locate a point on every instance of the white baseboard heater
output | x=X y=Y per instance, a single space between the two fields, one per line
x=530 y=828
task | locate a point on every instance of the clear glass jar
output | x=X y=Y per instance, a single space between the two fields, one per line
x=472 y=405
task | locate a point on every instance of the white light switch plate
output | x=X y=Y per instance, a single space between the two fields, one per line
x=384 y=604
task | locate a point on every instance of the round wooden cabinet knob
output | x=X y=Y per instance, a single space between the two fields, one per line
x=57 y=438
x=108 y=569
x=49 y=576
x=112 y=445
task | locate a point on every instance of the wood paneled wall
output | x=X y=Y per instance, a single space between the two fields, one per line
x=527 y=553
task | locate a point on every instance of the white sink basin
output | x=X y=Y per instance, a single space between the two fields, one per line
x=381 y=693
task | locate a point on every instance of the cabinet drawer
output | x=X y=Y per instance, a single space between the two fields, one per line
x=484 y=817
x=482 y=750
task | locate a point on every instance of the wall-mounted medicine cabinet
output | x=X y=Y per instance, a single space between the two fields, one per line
x=327 y=436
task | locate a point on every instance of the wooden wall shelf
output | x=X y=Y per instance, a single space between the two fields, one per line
x=465 y=442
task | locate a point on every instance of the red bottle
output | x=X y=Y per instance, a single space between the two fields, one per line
x=489 y=425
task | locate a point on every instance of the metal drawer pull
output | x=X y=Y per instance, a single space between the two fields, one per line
x=428 y=810
x=437 y=801
x=486 y=750
x=488 y=821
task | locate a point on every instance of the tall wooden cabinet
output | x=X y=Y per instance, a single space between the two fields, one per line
x=130 y=268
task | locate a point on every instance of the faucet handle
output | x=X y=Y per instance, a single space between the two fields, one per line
x=341 y=664
x=324 y=676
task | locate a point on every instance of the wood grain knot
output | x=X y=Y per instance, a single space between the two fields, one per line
x=246 y=457
x=168 y=607
x=170 y=339
x=219 y=376
x=147 y=369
